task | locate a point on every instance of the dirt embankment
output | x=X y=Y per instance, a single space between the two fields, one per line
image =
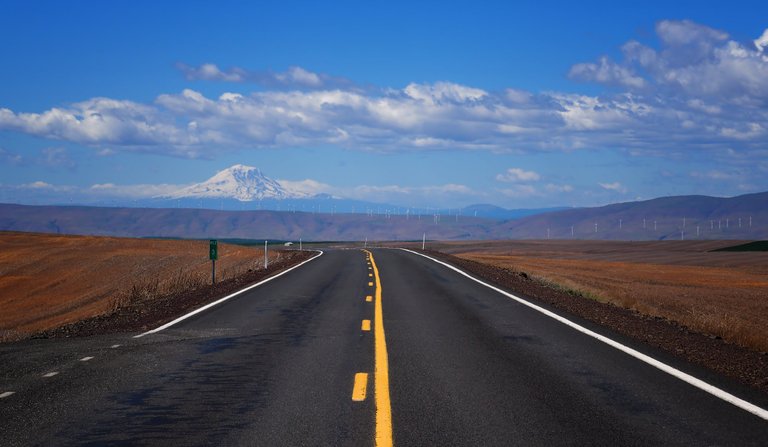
x=54 y=281
x=706 y=315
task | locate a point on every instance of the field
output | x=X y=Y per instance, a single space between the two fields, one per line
x=50 y=280
x=724 y=293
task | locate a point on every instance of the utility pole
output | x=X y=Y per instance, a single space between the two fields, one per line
x=300 y=249
x=366 y=243
x=619 y=224
x=571 y=231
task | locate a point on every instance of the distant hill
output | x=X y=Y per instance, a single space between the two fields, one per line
x=666 y=218
x=498 y=213
x=205 y=223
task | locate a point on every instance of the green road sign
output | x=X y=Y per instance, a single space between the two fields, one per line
x=214 y=251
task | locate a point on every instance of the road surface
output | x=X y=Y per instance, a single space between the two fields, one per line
x=347 y=351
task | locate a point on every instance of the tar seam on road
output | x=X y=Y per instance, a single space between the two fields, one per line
x=208 y=306
x=381 y=378
x=685 y=377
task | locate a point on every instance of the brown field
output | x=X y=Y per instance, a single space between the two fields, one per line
x=723 y=294
x=50 y=280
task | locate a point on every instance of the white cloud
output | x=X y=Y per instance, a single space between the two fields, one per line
x=210 y=72
x=694 y=61
x=293 y=77
x=138 y=191
x=699 y=91
x=37 y=185
x=615 y=186
x=606 y=72
x=518 y=175
x=307 y=187
x=761 y=43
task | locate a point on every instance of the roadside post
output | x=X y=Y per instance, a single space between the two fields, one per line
x=265 y=255
x=213 y=254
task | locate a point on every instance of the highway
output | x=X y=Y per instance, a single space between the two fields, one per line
x=351 y=349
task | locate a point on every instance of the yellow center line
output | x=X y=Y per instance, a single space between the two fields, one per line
x=381 y=377
x=360 y=386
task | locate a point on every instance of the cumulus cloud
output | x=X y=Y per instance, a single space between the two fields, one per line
x=761 y=43
x=614 y=186
x=518 y=175
x=293 y=77
x=698 y=91
x=694 y=61
x=38 y=185
x=606 y=72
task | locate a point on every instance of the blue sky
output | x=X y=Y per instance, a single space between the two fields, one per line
x=520 y=104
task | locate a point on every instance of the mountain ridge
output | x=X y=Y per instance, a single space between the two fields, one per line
x=667 y=218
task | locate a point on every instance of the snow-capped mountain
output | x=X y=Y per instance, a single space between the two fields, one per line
x=239 y=182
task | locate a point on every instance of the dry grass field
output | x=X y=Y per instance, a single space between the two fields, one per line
x=50 y=280
x=724 y=294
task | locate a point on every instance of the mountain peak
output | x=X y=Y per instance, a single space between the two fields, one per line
x=240 y=182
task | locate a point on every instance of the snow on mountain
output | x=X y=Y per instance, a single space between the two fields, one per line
x=240 y=182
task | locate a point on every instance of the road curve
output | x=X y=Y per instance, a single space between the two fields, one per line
x=291 y=363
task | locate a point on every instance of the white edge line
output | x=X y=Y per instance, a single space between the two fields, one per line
x=7 y=394
x=698 y=383
x=221 y=300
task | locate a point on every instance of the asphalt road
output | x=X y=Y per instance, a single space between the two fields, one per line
x=277 y=365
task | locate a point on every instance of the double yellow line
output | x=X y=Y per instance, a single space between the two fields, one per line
x=381 y=376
